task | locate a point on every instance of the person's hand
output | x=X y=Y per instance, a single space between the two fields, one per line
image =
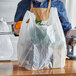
x=68 y=32
x=16 y=28
x=16 y=31
x=28 y=21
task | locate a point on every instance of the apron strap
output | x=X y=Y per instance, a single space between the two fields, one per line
x=31 y=4
x=49 y=4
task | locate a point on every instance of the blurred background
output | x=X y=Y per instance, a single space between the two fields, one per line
x=7 y=12
x=7 y=9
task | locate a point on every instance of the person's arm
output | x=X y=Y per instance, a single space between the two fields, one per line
x=63 y=18
x=22 y=7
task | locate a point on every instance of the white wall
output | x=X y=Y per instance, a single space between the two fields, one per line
x=8 y=8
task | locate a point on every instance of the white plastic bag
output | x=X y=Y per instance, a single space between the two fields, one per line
x=37 y=45
x=6 y=49
x=59 y=48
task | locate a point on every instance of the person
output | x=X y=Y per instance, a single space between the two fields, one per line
x=25 y=5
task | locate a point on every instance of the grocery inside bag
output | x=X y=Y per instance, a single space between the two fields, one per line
x=41 y=47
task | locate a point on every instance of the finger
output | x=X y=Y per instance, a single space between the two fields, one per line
x=28 y=21
x=14 y=26
x=16 y=31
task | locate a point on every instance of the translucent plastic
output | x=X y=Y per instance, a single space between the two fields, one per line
x=40 y=46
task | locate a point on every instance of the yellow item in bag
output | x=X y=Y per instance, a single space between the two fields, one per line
x=18 y=24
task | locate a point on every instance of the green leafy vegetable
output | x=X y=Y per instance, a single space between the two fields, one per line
x=38 y=22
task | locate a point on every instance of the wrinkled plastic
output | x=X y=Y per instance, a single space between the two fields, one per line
x=59 y=48
x=6 y=49
x=40 y=46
